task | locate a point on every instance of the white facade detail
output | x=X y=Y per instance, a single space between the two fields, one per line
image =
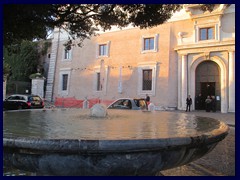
x=104 y=79
x=52 y=64
x=231 y=81
x=38 y=87
x=156 y=40
x=107 y=49
x=64 y=92
x=67 y=54
x=146 y=66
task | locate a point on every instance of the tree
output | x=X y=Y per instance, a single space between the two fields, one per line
x=22 y=62
x=26 y=22
x=6 y=69
x=33 y=21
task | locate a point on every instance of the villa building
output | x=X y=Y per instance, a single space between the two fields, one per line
x=192 y=53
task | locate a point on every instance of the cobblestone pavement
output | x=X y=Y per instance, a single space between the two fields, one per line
x=220 y=161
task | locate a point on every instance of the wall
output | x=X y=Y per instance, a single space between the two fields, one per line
x=175 y=39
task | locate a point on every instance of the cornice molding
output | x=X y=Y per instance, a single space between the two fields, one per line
x=215 y=45
x=195 y=12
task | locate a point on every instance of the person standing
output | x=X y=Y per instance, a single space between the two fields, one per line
x=189 y=103
x=208 y=104
x=147 y=100
x=199 y=102
x=213 y=104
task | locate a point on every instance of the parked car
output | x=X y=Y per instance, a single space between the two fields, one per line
x=128 y=103
x=19 y=101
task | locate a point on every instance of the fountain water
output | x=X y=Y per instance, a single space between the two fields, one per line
x=70 y=142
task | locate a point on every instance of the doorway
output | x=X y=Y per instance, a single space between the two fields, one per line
x=208 y=82
x=207 y=89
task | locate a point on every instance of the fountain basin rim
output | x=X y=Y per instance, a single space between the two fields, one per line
x=81 y=145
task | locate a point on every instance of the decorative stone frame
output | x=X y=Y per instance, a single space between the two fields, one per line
x=145 y=66
x=104 y=87
x=61 y=73
x=223 y=78
x=207 y=22
x=216 y=32
x=156 y=40
x=107 y=50
x=70 y=55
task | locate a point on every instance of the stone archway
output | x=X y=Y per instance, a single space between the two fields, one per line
x=223 y=79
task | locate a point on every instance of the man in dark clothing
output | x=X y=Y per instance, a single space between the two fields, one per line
x=213 y=104
x=189 y=103
x=199 y=102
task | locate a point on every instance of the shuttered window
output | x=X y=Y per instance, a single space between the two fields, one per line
x=64 y=82
x=147 y=79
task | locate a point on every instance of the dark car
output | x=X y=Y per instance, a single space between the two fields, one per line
x=19 y=101
x=129 y=103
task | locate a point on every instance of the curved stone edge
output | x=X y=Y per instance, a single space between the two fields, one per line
x=112 y=163
x=93 y=146
x=108 y=157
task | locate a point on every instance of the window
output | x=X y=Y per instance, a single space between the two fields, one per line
x=148 y=43
x=122 y=104
x=147 y=75
x=206 y=33
x=66 y=54
x=99 y=86
x=147 y=80
x=64 y=82
x=102 y=50
x=100 y=79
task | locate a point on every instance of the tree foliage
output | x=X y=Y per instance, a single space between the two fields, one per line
x=33 y=21
x=23 y=62
x=26 y=22
x=6 y=69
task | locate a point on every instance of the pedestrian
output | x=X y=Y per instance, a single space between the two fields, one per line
x=199 y=102
x=147 y=99
x=208 y=104
x=189 y=103
x=213 y=104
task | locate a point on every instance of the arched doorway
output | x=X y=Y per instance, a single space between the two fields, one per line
x=208 y=83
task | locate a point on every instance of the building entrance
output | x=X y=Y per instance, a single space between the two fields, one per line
x=207 y=84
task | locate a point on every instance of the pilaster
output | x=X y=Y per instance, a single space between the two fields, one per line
x=231 y=81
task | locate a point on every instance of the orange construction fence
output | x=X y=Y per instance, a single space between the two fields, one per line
x=72 y=102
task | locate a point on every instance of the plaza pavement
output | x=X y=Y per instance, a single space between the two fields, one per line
x=220 y=161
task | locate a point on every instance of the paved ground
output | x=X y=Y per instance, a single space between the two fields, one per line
x=220 y=161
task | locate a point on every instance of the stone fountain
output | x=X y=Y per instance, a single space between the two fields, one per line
x=72 y=142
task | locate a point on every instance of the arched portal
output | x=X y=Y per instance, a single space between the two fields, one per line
x=208 y=83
